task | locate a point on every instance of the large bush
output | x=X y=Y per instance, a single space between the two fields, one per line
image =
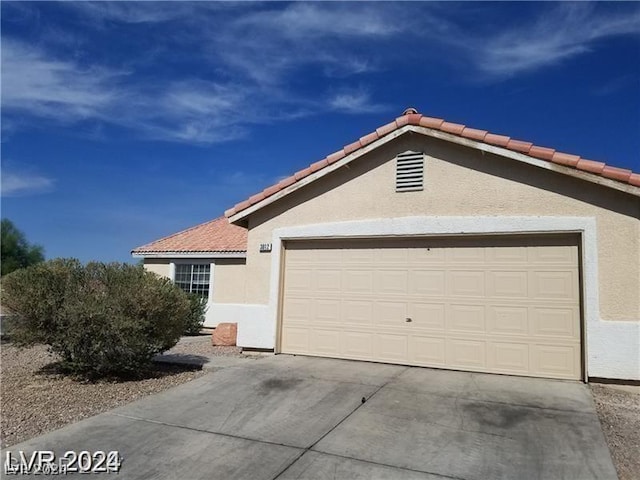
x=101 y=319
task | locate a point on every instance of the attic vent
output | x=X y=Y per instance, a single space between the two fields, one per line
x=410 y=172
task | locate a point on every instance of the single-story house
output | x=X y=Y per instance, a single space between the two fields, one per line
x=430 y=243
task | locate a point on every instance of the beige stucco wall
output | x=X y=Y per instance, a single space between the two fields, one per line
x=157 y=265
x=229 y=280
x=460 y=181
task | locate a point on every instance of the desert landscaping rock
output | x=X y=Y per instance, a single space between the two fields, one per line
x=619 y=412
x=35 y=401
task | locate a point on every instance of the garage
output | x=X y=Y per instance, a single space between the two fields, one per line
x=507 y=304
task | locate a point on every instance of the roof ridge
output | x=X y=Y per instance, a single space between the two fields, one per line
x=411 y=117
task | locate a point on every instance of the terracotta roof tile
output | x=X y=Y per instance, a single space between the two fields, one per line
x=352 y=147
x=454 y=128
x=620 y=174
x=285 y=182
x=431 y=122
x=334 y=157
x=272 y=189
x=541 y=152
x=386 y=129
x=367 y=139
x=217 y=236
x=319 y=165
x=257 y=197
x=519 y=145
x=590 y=166
x=413 y=118
x=474 y=134
x=499 y=140
x=402 y=121
x=565 y=159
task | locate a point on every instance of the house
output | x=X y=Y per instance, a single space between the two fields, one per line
x=430 y=243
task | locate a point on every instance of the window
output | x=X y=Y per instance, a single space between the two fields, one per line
x=410 y=172
x=193 y=278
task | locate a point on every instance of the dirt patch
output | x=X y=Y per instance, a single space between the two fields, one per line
x=34 y=399
x=619 y=412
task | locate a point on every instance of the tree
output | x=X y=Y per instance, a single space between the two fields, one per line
x=16 y=251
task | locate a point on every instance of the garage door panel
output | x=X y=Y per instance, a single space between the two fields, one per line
x=507 y=256
x=328 y=280
x=300 y=279
x=507 y=357
x=466 y=318
x=391 y=282
x=357 y=313
x=300 y=310
x=555 y=322
x=508 y=283
x=327 y=310
x=466 y=353
x=427 y=283
x=430 y=316
x=425 y=350
x=295 y=339
x=466 y=283
x=508 y=320
x=553 y=285
x=357 y=345
x=490 y=305
x=555 y=360
x=557 y=255
x=391 y=348
x=358 y=281
x=325 y=342
x=391 y=314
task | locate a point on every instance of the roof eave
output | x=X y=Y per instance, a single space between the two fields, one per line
x=178 y=254
x=504 y=152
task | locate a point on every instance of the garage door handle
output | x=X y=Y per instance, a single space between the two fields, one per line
x=408 y=320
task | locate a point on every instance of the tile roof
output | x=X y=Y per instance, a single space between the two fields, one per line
x=412 y=117
x=215 y=236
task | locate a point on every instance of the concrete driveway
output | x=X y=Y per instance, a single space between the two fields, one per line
x=292 y=417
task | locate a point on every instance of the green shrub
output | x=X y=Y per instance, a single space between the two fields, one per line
x=101 y=319
x=195 y=319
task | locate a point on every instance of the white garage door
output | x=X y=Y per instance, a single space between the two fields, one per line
x=501 y=305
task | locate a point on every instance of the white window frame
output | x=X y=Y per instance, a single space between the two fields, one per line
x=194 y=261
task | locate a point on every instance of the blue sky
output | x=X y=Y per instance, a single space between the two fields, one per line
x=124 y=122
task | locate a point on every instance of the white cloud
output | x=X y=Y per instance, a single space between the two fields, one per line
x=45 y=87
x=563 y=32
x=354 y=101
x=21 y=184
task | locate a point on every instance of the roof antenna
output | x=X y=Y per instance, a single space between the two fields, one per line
x=409 y=111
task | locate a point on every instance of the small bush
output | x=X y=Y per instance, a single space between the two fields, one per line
x=195 y=319
x=101 y=319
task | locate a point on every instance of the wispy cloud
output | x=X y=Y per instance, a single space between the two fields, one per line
x=58 y=89
x=15 y=184
x=250 y=58
x=354 y=101
x=562 y=32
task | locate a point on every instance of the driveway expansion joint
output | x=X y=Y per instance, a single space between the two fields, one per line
x=366 y=399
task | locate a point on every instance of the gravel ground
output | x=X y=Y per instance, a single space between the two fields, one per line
x=619 y=412
x=34 y=401
x=201 y=345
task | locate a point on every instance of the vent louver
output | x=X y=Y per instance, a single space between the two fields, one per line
x=410 y=172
